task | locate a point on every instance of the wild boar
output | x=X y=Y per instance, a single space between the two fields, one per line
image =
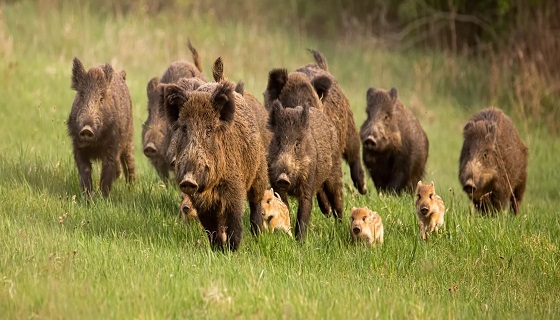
x=304 y=160
x=100 y=125
x=156 y=132
x=493 y=162
x=220 y=159
x=395 y=147
x=366 y=226
x=275 y=212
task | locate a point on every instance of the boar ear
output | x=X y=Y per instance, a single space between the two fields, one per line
x=432 y=183
x=419 y=183
x=78 y=74
x=223 y=101
x=108 y=71
x=468 y=127
x=218 y=70
x=173 y=99
x=277 y=79
x=394 y=94
x=322 y=85
x=122 y=73
x=492 y=129
x=353 y=208
x=274 y=113
x=277 y=195
x=152 y=89
x=240 y=87
x=305 y=116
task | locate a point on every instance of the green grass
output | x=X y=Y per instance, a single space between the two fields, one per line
x=130 y=257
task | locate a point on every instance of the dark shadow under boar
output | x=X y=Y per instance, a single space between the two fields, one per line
x=493 y=162
x=220 y=159
x=395 y=147
x=156 y=132
x=100 y=125
x=304 y=160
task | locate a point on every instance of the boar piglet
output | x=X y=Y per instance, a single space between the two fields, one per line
x=156 y=131
x=493 y=162
x=304 y=160
x=395 y=147
x=100 y=125
x=220 y=159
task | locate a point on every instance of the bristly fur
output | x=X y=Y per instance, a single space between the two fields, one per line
x=218 y=70
x=320 y=59
x=195 y=56
x=276 y=81
x=224 y=101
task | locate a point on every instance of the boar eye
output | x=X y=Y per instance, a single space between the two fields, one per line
x=418 y=196
x=172 y=164
x=268 y=201
x=431 y=194
x=208 y=132
x=386 y=117
x=297 y=146
x=364 y=219
x=352 y=218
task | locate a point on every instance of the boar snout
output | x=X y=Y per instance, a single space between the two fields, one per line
x=356 y=230
x=86 y=133
x=469 y=187
x=186 y=208
x=424 y=210
x=370 y=142
x=150 y=150
x=283 y=182
x=188 y=185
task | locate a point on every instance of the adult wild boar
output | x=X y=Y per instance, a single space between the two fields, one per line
x=220 y=159
x=313 y=84
x=493 y=162
x=304 y=160
x=100 y=125
x=155 y=132
x=395 y=147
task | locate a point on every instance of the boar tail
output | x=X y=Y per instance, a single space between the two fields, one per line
x=320 y=59
x=195 y=56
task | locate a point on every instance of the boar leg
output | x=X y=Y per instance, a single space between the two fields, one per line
x=303 y=214
x=127 y=162
x=517 y=197
x=84 y=170
x=323 y=202
x=352 y=157
x=209 y=221
x=398 y=182
x=108 y=174
x=233 y=213
x=333 y=189
x=254 y=196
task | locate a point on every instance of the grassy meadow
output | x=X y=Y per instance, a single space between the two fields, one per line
x=129 y=256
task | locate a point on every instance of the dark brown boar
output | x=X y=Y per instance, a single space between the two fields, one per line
x=304 y=160
x=315 y=85
x=220 y=159
x=395 y=147
x=100 y=125
x=493 y=162
x=156 y=132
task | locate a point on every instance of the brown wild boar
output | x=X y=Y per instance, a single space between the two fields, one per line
x=275 y=212
x=100 y=125
x=313 y=84
x=155 y=132
x=395 y=147
x=220 y=159
x=493 y=162
x=366 y=226
x=304 y=160
x=429 y=209
x=187 y=209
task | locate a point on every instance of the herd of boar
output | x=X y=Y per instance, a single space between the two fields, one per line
x=225 y=148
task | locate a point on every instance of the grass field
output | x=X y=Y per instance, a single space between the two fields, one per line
x=130 y=257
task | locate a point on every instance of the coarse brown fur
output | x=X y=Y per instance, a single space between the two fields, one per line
x=100 y=125
x=304 y=160
x=276 y=215
x=366 y=226
x=315 y=85
x=429 y=209
x=395 y=147
x=493 y=162
x=156 y=132
x=220 y=159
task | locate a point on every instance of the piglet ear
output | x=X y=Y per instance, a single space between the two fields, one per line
x=78 y=74
x=108 y=71
x=277 y=195
x=419 y=183
x=174 y=97
x=322 y=85
x=223 y=101
x=218 y=70
x=277 y=79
